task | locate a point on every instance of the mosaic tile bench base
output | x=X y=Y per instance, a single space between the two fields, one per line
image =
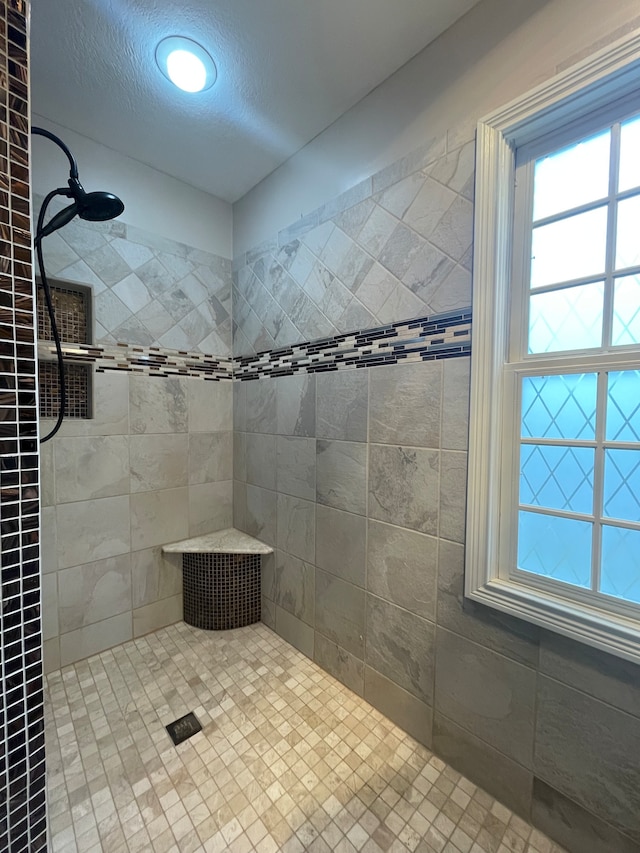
x=221 y=591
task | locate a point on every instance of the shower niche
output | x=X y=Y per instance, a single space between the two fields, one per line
x=72 y=306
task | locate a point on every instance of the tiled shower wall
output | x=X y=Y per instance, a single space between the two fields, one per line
x=22 y=768
x=147 y=289
x=357 y=477
x=153 y=464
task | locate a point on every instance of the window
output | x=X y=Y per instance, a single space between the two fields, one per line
x=554 y=481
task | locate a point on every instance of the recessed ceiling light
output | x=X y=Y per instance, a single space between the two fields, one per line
x=186 y=63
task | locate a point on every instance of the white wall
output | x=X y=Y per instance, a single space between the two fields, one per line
x=153 y=201
x=499 y=50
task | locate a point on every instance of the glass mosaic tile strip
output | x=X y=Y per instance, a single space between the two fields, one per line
x=423 y=339
x=147 y=360
x=22 y=766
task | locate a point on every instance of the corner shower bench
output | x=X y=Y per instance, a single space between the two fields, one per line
x=221 y=578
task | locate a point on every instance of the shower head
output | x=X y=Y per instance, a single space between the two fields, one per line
x=94 y=207
x=99 y=206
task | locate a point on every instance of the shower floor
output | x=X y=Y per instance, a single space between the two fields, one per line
x=288 y=759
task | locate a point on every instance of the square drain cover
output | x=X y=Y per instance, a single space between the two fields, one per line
x=184 y=728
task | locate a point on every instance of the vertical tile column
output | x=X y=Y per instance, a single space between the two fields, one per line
x=22 y=767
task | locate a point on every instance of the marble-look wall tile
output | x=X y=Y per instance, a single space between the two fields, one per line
x=51 y=655
x=296 y=405
x=340 y=612
x=296 y=528
x=261 y=460
x=342 y=405
x=601 y=675
x=574 y=827
x=261 y=406
x=268 y=576
x=503 y=778
x=268 y=613
x=139 y=278
x=94 y=592
x=87 y=468
x=158 y=461
x=260 y=518
x=211 y=457
x=50 y=619
x=294 y=631
x=157 y=615
x=403 y=486
x=80 y=644
x=296 y=466
x=159 y=517
x=341 y=475
x=158 y=404
x=487 y=694
x=400 y=706
x=154 y=575
x=110 y=410
x=47 y=475
x=453 y=495
x=404 y=404
x=210 y=507
x=92 y=530
x=402 y=567
x=341 y=544
x=240 y=456
x=344 y=666
x=294 y=582
x=505 y=634
x=401 y=646
x=239 y=392
x=589 y=754
x=240 y=505
x=48 y=540
x=455 y=404
x=210 y=406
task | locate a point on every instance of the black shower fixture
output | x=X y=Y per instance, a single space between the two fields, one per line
x=93 y=207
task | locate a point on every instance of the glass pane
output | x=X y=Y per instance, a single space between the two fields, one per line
x=571 y=177
x=622 y=484
x=554 y=547
x=570 y=248
x=620 y=573
x=629 y=160
x=626 y=311
x=559 y=406
x=623 y=406
x=570 y=318
x=628 y=233
x=557 y=477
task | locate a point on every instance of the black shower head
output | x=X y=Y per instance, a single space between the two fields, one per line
x=96 y=206
x=93 y=207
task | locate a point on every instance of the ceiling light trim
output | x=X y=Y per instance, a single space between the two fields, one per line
x=196 y=72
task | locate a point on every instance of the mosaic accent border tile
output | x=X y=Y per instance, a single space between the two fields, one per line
x=22 y=756
x=423 y=339
x=152 y=361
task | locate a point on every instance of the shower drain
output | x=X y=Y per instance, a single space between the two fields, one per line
x=184 y=728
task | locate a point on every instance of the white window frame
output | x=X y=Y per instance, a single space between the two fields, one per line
x=610 y=75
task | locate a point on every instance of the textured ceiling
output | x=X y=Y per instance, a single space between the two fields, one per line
x=286 y=70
